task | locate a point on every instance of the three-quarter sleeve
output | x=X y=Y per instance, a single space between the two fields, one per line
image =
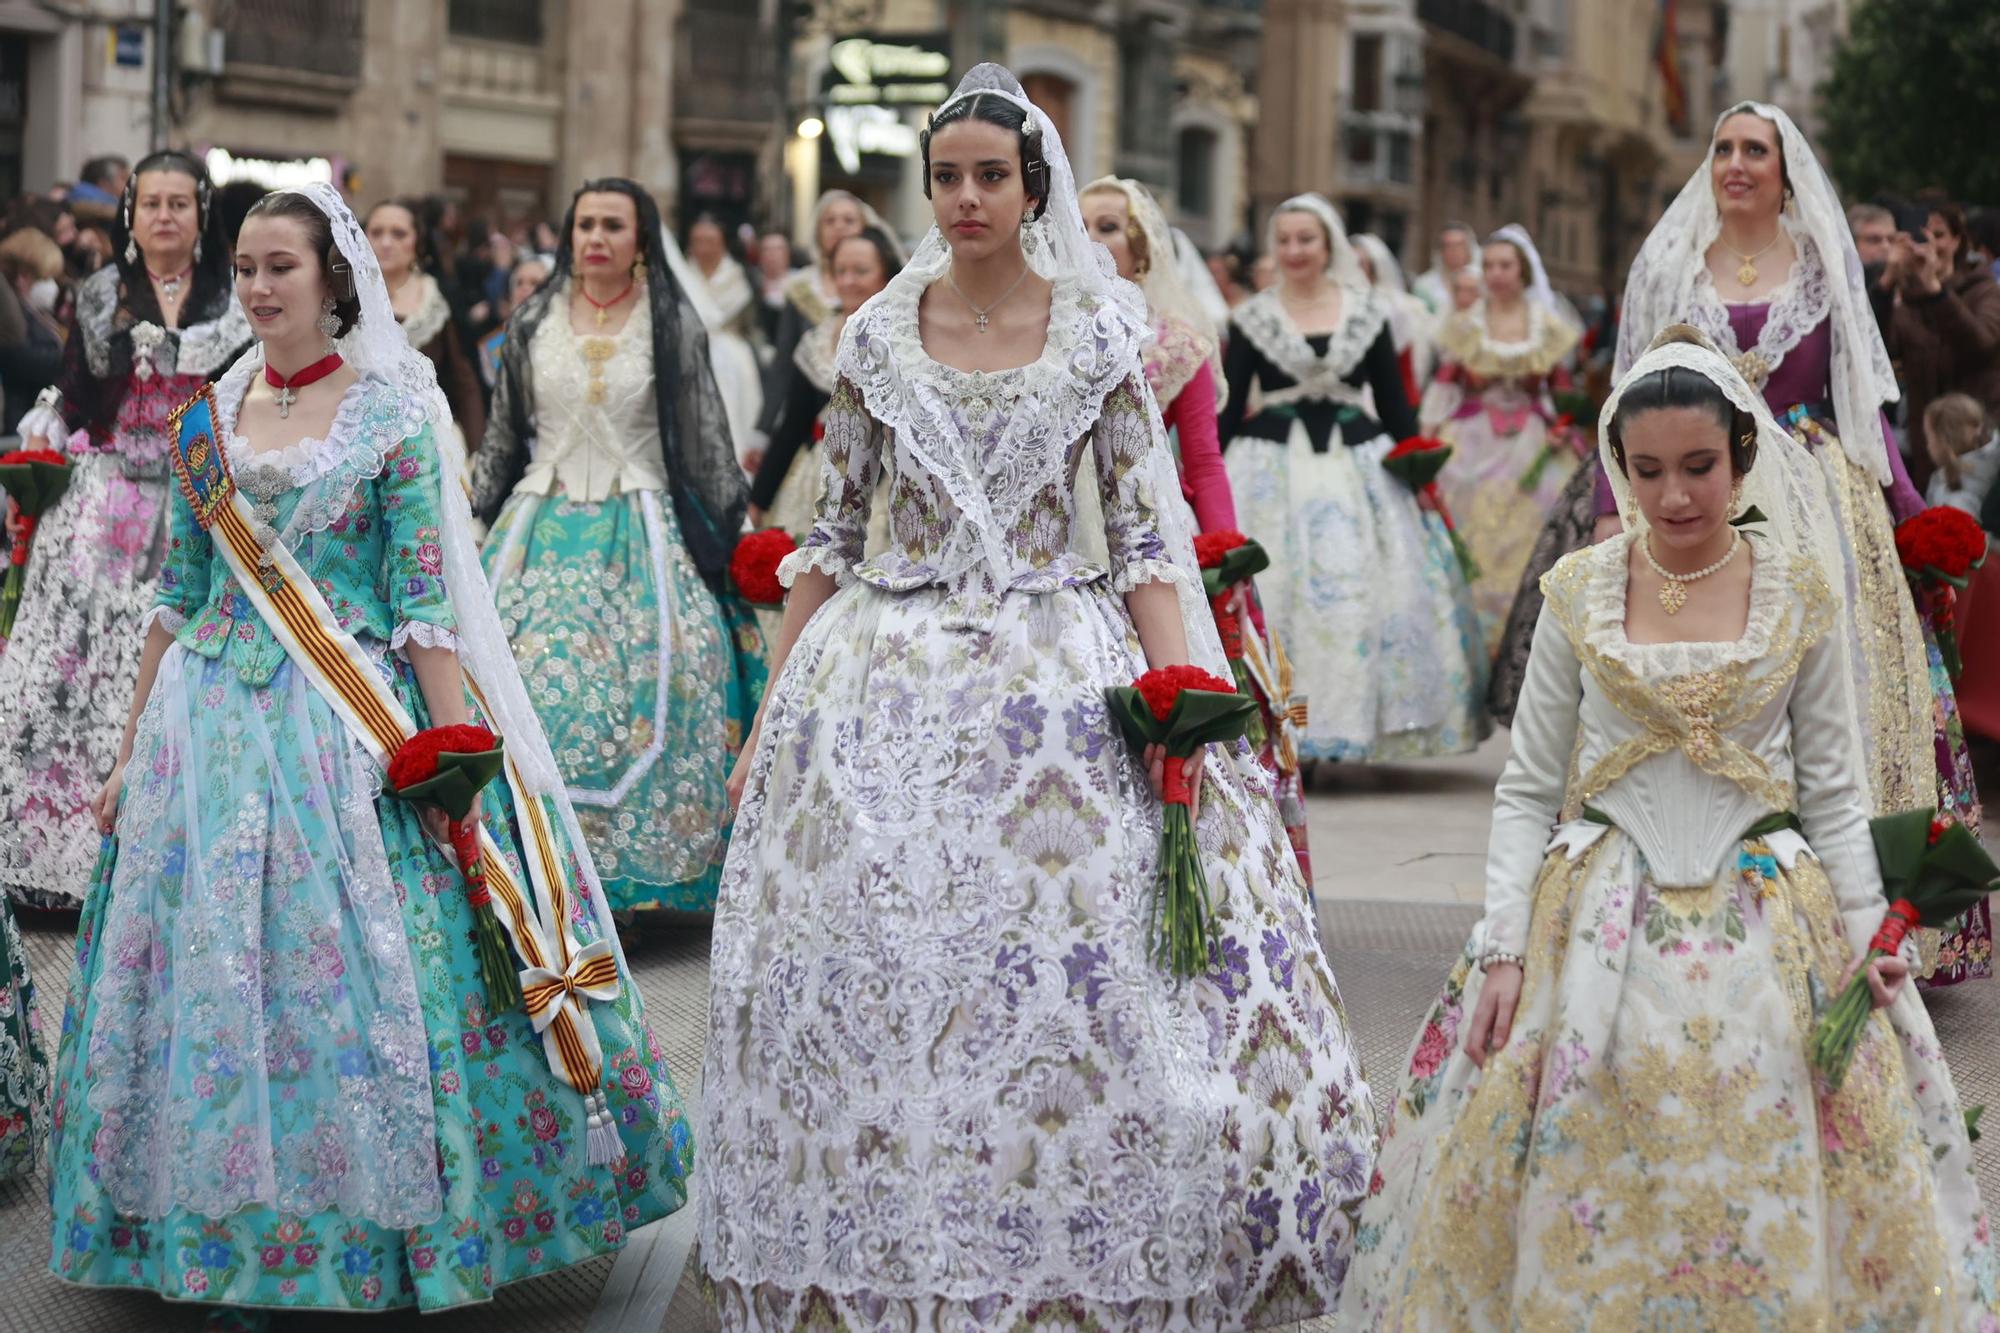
x=1203 y=478
x=1239 y=369
x=850 y=464
x=1825 y=765
x=1120 y=442
x=413 y=546
x=1383 y=374
x=183 y=586
x=1528 y=798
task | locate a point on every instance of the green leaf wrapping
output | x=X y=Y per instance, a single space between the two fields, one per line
x=1418 y=468
x=458 y=781
x=1239 y=563
x=35 y=486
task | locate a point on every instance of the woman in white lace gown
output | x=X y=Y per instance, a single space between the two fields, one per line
x=1609 y=1120
x=151 y=327
x=1364 y=588
x=947 y=1087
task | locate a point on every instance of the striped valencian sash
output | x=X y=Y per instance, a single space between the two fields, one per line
x=559 y=976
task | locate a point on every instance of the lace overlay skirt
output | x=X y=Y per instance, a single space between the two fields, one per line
x=946 y=1085
x=1501 y=488
x=69 y=672
x=645 y=681
x=1368 y=597
x=24 y=1069
x=1651 y=1148
x=279 y=1084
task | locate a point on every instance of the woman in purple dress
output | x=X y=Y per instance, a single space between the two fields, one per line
x=1755 y=252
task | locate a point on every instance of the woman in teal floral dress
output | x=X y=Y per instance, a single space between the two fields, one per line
x=281 y=1082
x=611 y=484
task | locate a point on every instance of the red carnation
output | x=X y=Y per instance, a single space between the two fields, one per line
x=1942 y=543
x=22 y=457
x=1416 y=444
x=416 y=760
x=1210 y=547
x=1162 y=687
x=754 y=566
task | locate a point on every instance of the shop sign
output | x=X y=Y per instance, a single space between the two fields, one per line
x=854 y=130
x=905 y=71
x=272 y=173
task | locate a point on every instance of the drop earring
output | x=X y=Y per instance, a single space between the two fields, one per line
x=1028 y=234
x=197 y=249
x=328 y=323
x=131 y=251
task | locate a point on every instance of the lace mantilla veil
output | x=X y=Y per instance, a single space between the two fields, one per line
x=1538 y=289
x=1059 y=249
x=376 y=348
x=1343 y=265
x=1166 y=289
x=1785 y=484
x=1660 y=288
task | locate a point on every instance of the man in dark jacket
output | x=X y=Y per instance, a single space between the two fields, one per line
x=1945 y=329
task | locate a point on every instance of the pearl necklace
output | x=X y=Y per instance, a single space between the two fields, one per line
x=1673 y=588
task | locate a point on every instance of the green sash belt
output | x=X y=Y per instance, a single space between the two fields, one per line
x=1776 y=822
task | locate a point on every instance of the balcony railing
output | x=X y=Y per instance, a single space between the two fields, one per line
x=518 y=21
x=726 y=67
x=1474 y=21
x=312 y=36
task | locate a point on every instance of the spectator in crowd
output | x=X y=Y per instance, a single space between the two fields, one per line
x=524 y=279
x=1872 y=226
x=102 y=182
x=1944 y=330
x=1985 y=239
x=1964 y=449
x=31 y=340
x=232 y=205
x=1226 y=267
x=774 y=270
x=1264 y=273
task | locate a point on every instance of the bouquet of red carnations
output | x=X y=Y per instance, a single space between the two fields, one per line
x=36 y=479
x=1416 y=463
x=1181 y=709
x=1228 y=558
x=1939 y=549
x=753 y=568
x=1933 y=870
x=448 y=767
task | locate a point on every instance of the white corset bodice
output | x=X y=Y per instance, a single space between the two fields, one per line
x=597 y=416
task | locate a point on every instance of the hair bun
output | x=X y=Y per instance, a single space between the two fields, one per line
x=1682 y=333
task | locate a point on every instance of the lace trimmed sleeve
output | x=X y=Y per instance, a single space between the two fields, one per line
x=850 y=463
x=413 y=546
x=183 y=587
x=1120 y=443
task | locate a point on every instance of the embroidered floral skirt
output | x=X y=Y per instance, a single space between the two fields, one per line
x=1916 y=743
x=279 y=1083
x=947 y=1087
x=1368 y=597
x=67 y=676
x=645 y=681
x=1501 y=487
x=24 y=1069
x=1651 y=1149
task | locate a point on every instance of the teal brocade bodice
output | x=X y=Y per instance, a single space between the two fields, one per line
x=360 y=512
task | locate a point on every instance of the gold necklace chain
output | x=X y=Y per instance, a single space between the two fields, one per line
x=1746 y=268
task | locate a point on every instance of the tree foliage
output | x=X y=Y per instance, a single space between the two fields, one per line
x=1914 y=100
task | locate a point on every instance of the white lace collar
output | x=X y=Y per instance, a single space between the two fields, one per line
x=815 y=353
x=1264 y=321
x=1602 y=618
x=200 y=348
x=933 y=410
x=433 y=312
x=1506 y=347
x=1798 y=306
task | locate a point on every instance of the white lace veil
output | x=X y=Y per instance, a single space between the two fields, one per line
x=1388 y=278
x=1660 y=288
x=376 y=347
x=1166 y=292
x=1342 y=264
x=692 y=282
x=1058 y=248
x=1537 y=277
x=1785 y=482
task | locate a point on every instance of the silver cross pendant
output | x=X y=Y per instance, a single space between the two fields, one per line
x=284 y=398
x=980 y=321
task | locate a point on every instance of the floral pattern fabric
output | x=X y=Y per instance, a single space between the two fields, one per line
x=69 y=672
x=644 y=680
x=363 y=1133
x=24 y=1069
x=946 y=1084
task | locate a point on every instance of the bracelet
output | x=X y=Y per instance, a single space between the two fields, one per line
x=1501 y=956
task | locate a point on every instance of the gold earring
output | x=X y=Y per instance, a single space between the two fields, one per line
x=1736 y=497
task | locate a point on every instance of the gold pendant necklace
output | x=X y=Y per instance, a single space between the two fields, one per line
x=1746 y=268
x=1673 y=587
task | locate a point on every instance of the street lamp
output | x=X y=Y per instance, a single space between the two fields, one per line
x=811 y=127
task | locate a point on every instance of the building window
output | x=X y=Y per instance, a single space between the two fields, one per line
x=518 y=21
x=319 y=38
x=1368 y=71
x=1194 y=190
x=1054 y=95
